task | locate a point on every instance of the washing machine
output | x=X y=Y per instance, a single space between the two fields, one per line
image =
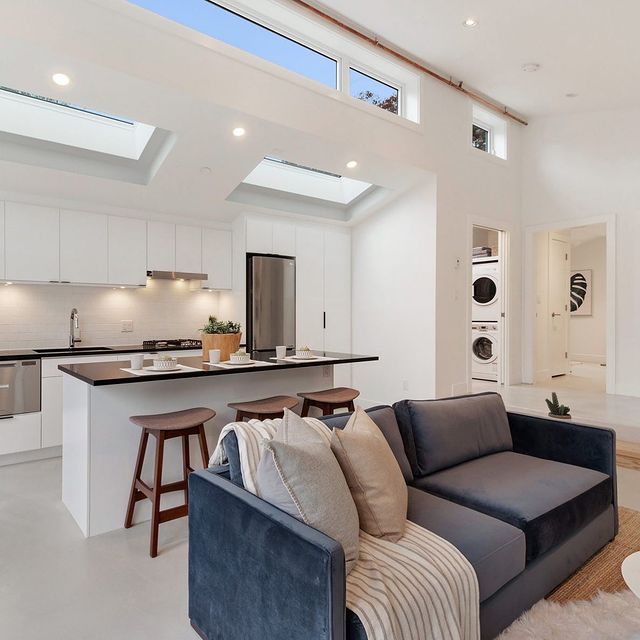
x=485 y=350
x=485 y=290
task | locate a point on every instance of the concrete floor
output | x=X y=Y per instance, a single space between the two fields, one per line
x=56 y=584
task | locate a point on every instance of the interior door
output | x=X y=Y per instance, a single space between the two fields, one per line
x=558 y=306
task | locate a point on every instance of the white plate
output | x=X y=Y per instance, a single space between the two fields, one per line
x=176 y=368
x=304 y=358
x=239 y=364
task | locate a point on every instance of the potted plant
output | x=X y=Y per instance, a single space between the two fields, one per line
x=220 y=334
x=557 y=410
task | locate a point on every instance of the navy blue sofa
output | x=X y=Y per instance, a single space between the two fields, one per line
x=527 y=500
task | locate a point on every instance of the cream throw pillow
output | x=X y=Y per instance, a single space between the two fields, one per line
x=373 y=475
x=299 y=474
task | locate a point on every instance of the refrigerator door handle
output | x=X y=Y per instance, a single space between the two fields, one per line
x=324 y=319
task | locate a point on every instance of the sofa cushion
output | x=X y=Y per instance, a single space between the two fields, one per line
x=373 y=475
x=385 y=419
x=439 y=434
x=549 y=501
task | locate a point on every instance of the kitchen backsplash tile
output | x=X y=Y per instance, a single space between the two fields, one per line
x=38 y=315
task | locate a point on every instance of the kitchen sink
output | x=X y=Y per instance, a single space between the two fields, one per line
x=73 y=350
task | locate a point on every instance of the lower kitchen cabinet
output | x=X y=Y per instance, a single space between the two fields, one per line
x=20 y=433
x=51 y=412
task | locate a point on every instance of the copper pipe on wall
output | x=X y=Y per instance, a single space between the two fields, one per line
x=458 y=86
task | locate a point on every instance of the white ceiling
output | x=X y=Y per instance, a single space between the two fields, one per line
x=588 y=47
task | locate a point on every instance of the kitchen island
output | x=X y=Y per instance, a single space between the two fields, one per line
x=100 y=443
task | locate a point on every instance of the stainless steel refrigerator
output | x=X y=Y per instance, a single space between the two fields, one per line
x=271 y=302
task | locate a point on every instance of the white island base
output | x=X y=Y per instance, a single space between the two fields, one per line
x=100 y=444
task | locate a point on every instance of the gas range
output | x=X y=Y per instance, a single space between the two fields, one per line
x=178 y=343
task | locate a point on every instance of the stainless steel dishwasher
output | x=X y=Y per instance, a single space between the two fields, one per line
x=19 y=387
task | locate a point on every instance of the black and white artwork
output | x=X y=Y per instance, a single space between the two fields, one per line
x=581 y=292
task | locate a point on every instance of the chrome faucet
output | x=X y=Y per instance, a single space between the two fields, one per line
x=74 y=325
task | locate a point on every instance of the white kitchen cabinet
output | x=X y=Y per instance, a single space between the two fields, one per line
x=217 y=255
x=83 y=247
x=127 y=251
x=20 y=433
x=161 y=246
x=337 y=291
x=188 y=249
x=32 y=243
x=51 y=411
x=1 y=240
x=259 y=236
x=284 y=239
x=310 y=287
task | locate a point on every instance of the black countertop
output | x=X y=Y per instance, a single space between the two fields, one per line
x=31 y=354
x=109 y=373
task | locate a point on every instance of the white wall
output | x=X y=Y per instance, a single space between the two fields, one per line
x=586 y=165
x=393 y=308
x=588 y=334
x=38 y=315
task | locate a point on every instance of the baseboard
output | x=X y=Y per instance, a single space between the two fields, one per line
x=588 y=357
x=30 y=456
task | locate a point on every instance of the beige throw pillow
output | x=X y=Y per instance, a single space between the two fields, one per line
x=373 y=475
x=299 y=474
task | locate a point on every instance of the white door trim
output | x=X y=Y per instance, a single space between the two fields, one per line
x=529 y=303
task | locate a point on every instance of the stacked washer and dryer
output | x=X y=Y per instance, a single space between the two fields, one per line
x=485 y=316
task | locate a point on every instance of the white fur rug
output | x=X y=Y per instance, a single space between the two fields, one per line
x=609 y=616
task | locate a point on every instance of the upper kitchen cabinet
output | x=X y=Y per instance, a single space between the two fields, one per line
x=217 y=254
x=266 y=236
x=127 y=251
x=188 y=249
x=32 y=243
x=83 y=247
x=161 y=246
x=1 y=240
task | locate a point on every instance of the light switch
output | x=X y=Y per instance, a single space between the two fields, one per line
x=127 y=326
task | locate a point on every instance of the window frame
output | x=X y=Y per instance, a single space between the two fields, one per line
x=490 y=134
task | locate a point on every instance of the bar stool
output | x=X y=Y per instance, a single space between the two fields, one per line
x=162 y=427
x=267 y=408
x=329 y=400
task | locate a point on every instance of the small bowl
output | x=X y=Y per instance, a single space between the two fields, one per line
x=239 y=358
x=172 y=363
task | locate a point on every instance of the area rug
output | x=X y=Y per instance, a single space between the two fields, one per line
x=609 y=616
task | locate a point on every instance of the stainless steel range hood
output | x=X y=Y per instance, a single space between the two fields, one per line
x=176 y=275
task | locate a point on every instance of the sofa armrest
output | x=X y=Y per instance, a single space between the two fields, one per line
x=576 y=444
x=256 y=572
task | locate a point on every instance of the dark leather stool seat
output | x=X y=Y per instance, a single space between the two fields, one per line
x=329 y=400
x=164 y=426
x=266 y=408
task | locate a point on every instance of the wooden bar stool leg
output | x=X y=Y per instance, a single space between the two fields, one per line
x=239 y=416
x=157 y=493
x=186 y=465
x=351 y=406
x=204 y=450
x=142 y=449
x=305 y=408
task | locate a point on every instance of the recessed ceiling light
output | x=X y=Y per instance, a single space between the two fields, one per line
x=470 y=23
x=530 y=67
x=205 y=171
x=61 y=79
x=570 y=95
x=352 y=164
x=238 y=132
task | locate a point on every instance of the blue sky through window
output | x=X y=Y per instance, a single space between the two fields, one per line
x=222 y=24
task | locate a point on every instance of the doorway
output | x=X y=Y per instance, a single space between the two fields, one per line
x=571 y=309
x=488 y=304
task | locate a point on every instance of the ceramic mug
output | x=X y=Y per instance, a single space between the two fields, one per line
x=214 y=356
x=137 y=360
x=281 y=352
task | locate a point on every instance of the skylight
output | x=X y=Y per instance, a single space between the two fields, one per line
x=289 y=177
x=49 y=120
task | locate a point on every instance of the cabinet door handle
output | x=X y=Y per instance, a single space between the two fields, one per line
x=324 y=319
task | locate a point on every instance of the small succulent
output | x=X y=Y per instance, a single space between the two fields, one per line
x=220 y=326
x=555 y=408
x=166 y=358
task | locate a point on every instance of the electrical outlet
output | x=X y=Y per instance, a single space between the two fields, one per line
x=126 y=326
x=405 y=385
x=326 y=372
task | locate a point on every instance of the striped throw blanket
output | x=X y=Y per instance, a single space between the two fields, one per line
x=250 y=436
x=419 y=588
